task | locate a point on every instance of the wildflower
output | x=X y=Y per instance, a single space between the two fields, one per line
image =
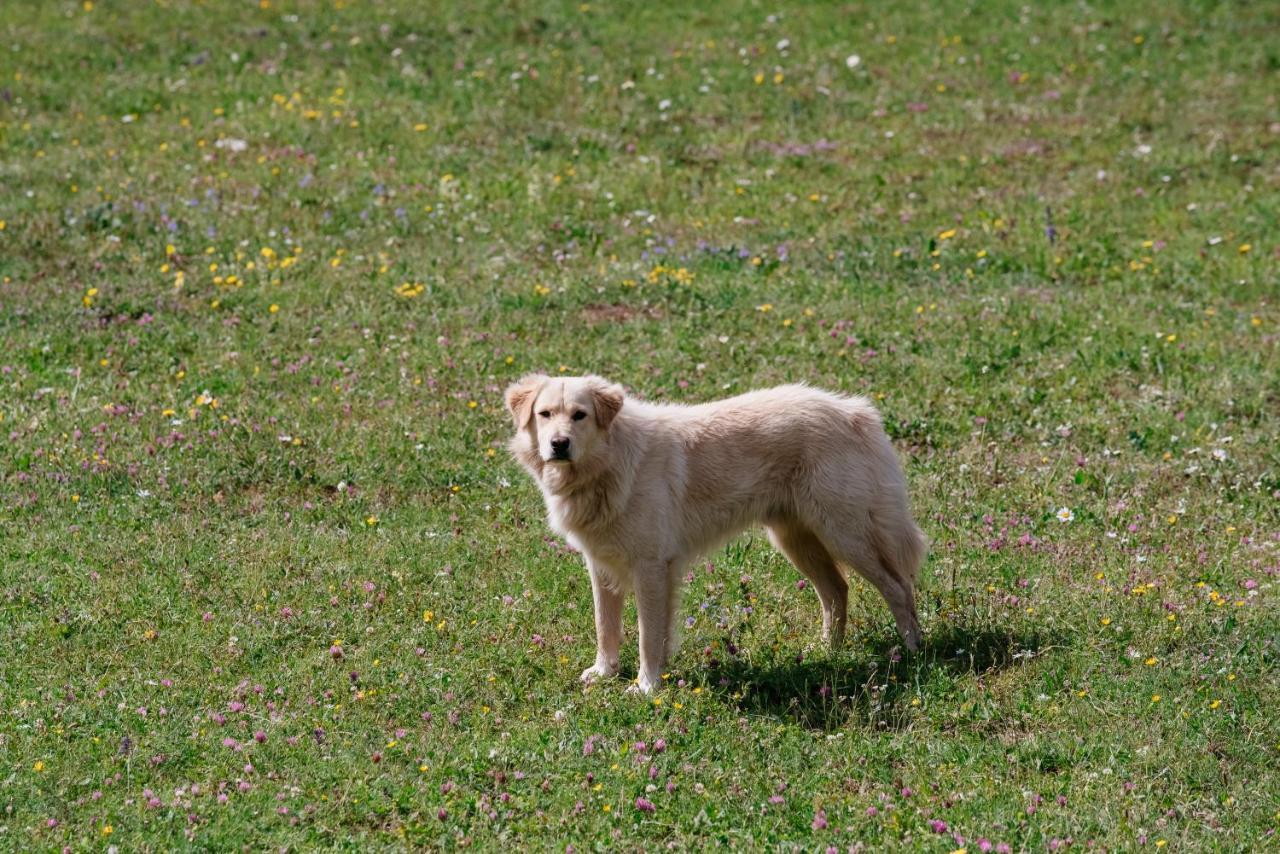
x=645 y=805
x=852 y=61
x=1065 y=514
x=409 y=290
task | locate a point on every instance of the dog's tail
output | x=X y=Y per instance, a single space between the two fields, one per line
x=901 y=544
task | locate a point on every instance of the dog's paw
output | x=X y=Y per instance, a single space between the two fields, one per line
x=597 y=672
x=643 y=685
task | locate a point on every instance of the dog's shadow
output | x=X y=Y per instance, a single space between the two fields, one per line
x=874 y=687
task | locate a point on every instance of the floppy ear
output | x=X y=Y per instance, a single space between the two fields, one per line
x=520 y=397
x=607 y=398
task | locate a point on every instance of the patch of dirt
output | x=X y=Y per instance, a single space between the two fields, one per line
x=600 y=312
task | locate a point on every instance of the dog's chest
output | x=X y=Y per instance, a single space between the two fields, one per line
x=569 y=517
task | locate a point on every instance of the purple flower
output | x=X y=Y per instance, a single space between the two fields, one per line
x=938 y=826
x=820 y=820
x=645 y=805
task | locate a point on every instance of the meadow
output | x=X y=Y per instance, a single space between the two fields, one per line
x=269 y=578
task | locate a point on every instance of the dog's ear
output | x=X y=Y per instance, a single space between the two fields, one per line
x=607 y=398
x=520 y=397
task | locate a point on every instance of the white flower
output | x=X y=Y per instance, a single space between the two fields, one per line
x=1220 y=454
x=852 y=61
x=1064 y=514
x=783 y=44
x=232 y=144
x=664 y=104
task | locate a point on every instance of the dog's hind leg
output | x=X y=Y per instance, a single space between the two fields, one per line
x=859 y=551
x=811 y=557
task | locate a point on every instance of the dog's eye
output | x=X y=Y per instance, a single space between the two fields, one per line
x=579 y=415
x=546 y=413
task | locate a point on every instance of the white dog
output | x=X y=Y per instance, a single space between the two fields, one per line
x=642 y=489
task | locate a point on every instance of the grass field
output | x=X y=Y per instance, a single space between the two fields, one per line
x=268 y=577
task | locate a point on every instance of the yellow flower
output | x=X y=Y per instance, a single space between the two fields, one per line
x=420 y=127
x=274 y=308
x=409 y=291
x=947 y=235
x=39 y=766
x=1155 y=698
x=765 y=307
x=371 y=521
x=1245 y=247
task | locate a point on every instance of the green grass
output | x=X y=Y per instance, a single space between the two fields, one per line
x=214 y=480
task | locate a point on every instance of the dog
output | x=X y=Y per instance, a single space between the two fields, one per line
x=642 y=489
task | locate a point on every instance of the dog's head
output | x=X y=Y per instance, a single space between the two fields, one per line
x=559 y=420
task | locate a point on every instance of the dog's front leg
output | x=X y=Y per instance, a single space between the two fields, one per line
x=654 y=608
x=608 y=606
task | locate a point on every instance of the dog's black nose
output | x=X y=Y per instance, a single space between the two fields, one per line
x=560 y=447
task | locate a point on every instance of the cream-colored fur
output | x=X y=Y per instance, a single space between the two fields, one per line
x=642 y=489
